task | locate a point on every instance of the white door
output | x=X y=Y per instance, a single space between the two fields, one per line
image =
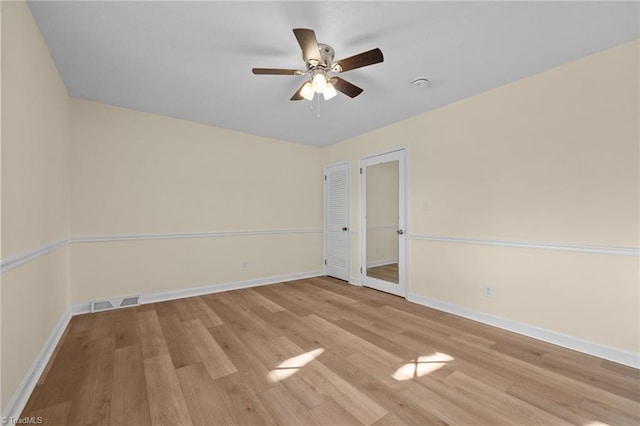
x=336 y=220
x=382 y=222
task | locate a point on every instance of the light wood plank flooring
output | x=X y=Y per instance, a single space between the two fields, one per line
x=387 y=273
x=318 y=352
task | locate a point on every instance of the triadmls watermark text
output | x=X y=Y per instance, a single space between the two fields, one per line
x=22 y=420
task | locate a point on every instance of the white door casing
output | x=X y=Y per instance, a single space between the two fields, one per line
x=400 y=288
x=336 y=220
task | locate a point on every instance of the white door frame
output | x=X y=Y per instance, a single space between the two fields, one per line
x=324 y=216
x=399 y=154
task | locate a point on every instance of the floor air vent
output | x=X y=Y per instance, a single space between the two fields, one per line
x=106 y=305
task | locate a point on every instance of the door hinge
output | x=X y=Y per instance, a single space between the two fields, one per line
x=325 y=177
x=361 y=269
x=360 y=170
x=325 y=261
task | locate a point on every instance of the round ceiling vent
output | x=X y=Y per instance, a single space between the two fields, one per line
x=420 y=82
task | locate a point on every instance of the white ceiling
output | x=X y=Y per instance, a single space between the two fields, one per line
x=193 y=60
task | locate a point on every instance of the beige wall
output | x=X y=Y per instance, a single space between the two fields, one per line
x=35 y=193
x=138 y=173
x=128 y=268
x=550 y=158
x=1 y=399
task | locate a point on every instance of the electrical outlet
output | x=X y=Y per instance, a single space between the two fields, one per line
x=244 y=265
x=488 y=290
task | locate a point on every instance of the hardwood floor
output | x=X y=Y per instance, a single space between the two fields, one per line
x=319 y=352
x=387 y=273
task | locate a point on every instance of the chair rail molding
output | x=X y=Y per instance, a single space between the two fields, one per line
x=580 y=248
x=16 y=260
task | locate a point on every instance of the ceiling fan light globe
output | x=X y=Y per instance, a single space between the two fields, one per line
x=329 y=92
x=319 y=83
x=307 y=91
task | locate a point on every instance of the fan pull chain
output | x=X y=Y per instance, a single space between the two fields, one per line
x=318 y=116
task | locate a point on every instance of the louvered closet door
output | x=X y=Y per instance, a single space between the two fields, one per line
x=336 y=211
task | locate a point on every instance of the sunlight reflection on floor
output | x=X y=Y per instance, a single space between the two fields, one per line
x=291 y=366
x=421 y=366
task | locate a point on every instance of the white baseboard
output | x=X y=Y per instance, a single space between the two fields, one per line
x=27 y=385
x=80 y=308
x=577 y=344
x=382 y=262
x=216 y=288
x=30 y=380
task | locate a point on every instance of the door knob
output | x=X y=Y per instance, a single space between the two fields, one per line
x=400 y=232
x=345 y=228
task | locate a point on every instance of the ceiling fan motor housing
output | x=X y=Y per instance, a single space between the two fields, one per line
x=326 y=55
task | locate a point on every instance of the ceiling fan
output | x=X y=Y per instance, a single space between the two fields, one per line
x=318 y=59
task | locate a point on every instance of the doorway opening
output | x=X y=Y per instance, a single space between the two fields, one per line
x=382 y=222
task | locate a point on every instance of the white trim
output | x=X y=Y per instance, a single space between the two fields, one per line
x=384 y=152
x=83 y=308
x=129 y=237
x=399 y=155
x=382 y=262
x=80 y=308
x=577 y=344
x=217 y=288
x=30 y=380
x=581 y=248
x=16 y=260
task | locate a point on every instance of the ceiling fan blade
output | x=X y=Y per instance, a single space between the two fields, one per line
x=360 y=60
x=309 y=45
x=276 y=71
x=297 y=96
x=345 y=87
